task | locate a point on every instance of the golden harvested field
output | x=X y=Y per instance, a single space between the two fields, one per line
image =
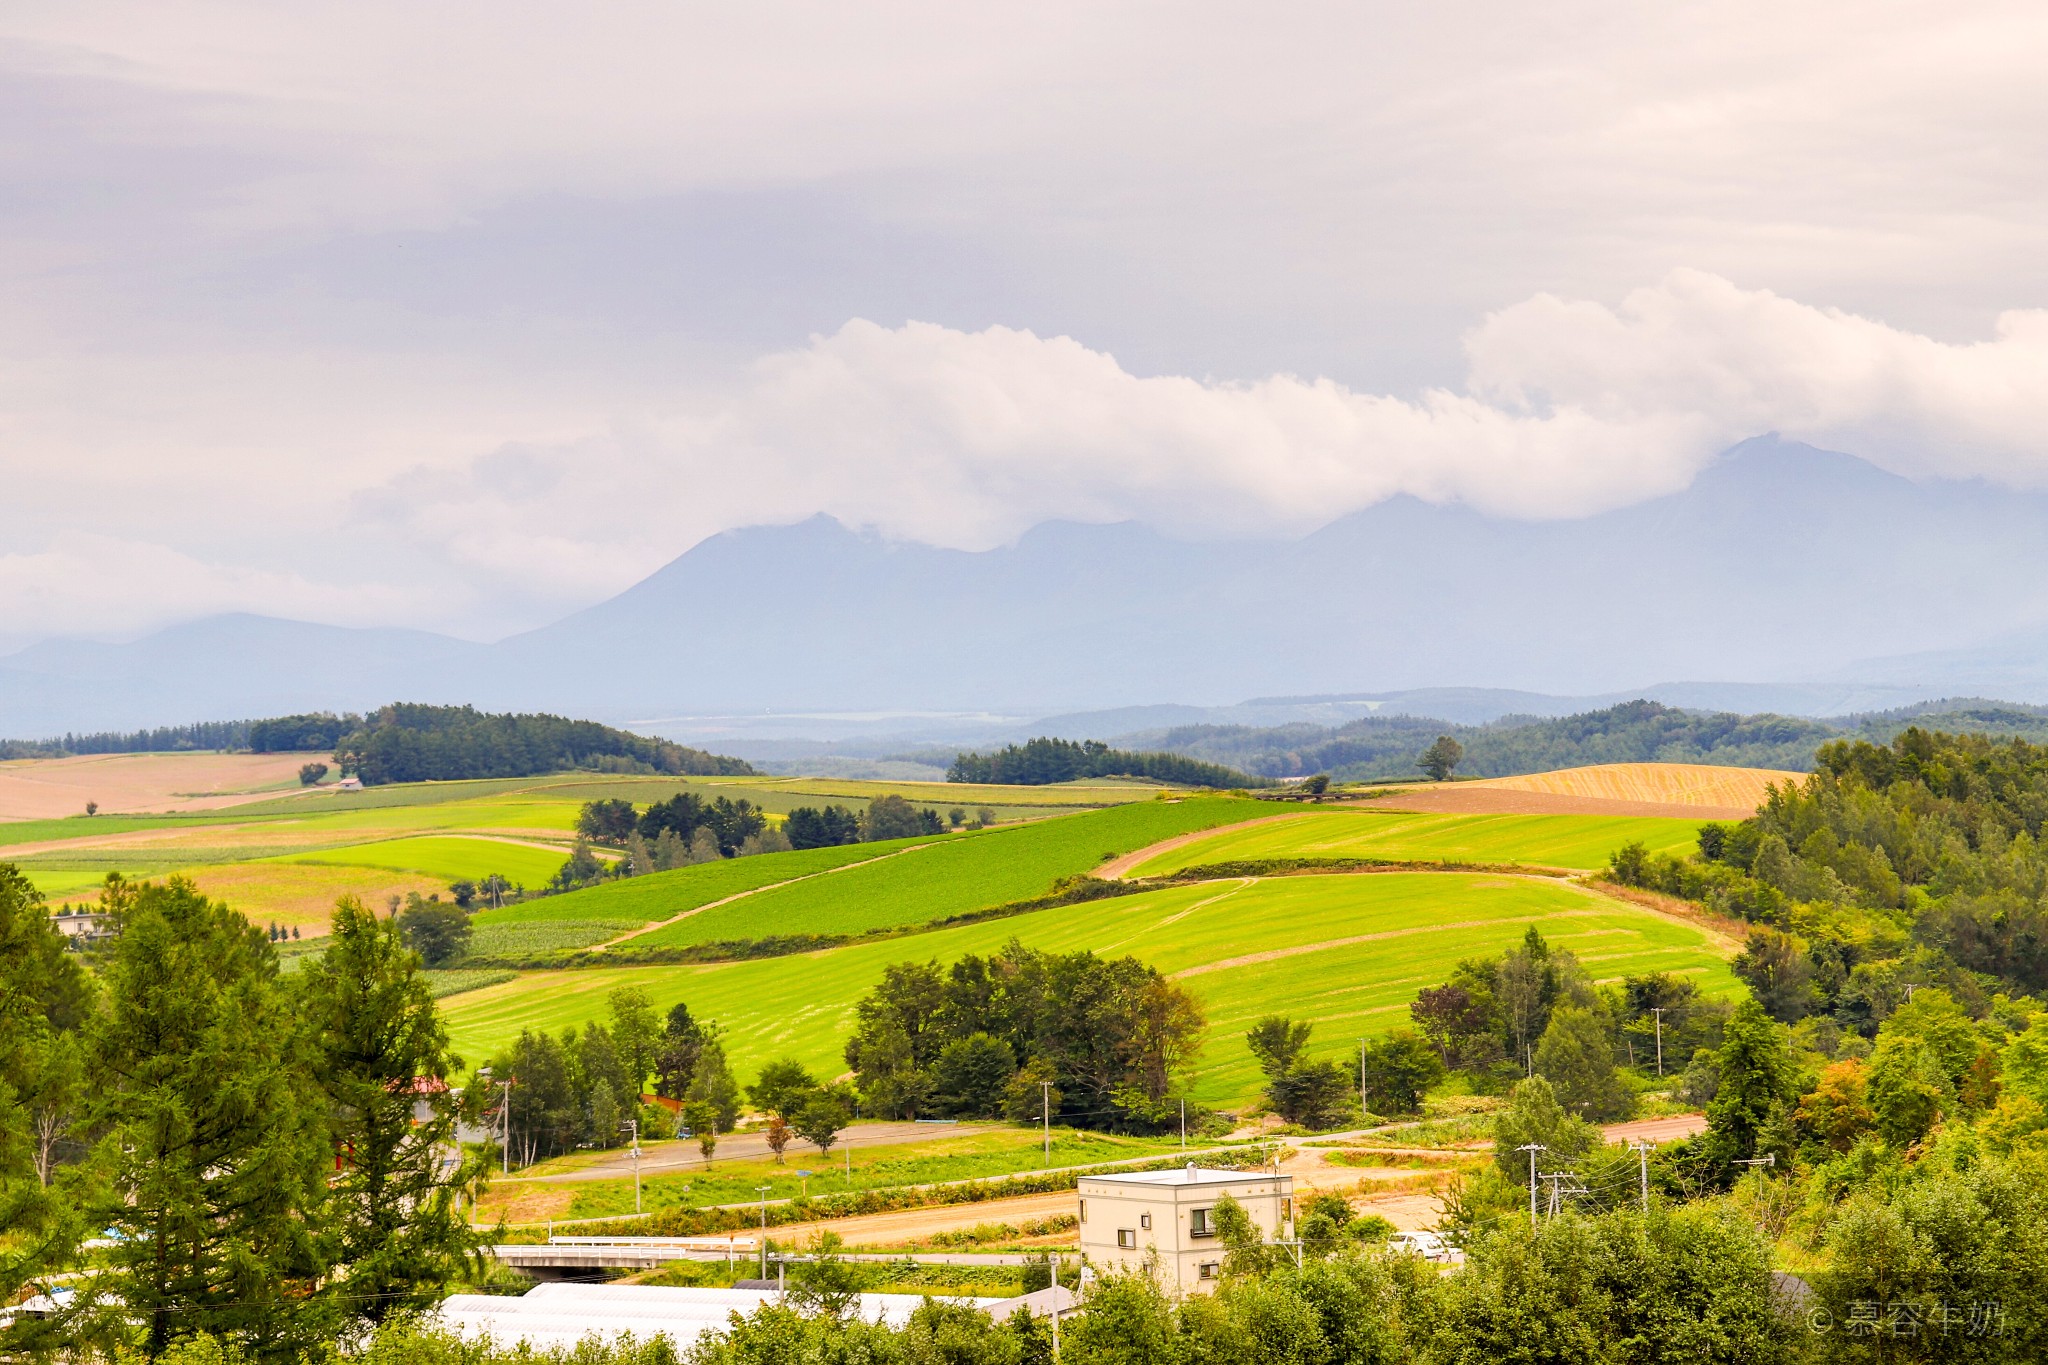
x=1671 y=789
x=48 y=788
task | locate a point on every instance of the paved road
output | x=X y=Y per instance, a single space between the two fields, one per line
x=670 y=1158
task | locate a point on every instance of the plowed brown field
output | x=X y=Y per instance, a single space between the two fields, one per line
x=126 y=784
x=1682 y=789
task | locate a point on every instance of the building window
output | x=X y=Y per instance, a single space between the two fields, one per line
x=1198 y=1223
x=1208 y=1270
x=1145 y=1220
x=1127 y=1237
x=1084 y=1210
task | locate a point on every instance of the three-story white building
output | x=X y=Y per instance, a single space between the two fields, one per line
x=1167 y=1219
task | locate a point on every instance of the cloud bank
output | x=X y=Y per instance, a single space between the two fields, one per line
x=967 y=439
x=465 y=317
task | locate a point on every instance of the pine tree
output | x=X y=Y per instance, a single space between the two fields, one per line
x=44 y=999
x=215 y=1136
x=383 y=1062
x=713 y=1083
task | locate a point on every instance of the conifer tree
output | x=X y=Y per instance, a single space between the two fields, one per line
x=214 y=1133
x=382 y=1059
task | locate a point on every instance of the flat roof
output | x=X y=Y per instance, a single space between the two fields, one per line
x=1186 y=1175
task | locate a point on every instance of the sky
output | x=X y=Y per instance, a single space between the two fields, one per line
x=464 y=316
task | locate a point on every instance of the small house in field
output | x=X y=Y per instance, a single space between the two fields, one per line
x=350 y=784
x=82 y=924
x=1165 y=1221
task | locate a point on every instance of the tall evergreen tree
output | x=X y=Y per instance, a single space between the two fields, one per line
x=382 y=1059
x=213 y=1130
x=44 y=999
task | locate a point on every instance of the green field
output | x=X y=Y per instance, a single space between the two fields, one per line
x=393 y=840
x=449 y=857
x=1346 y=951
x=1570 y=841
x=660 y=895
x=972 y=872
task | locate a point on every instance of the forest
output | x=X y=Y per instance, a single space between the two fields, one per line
x=1379 y=748
x=409 y=742
x=1042 y=761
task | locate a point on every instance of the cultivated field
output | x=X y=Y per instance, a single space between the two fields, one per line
x=1684 y=790
x=391 y=840
x=954 y=876
x=1580 y=842
x=1346 y=951
x=1674 y=784
x=48 y=788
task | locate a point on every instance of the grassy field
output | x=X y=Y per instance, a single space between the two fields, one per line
x=390 y=840
x=659 y=895
x=447 y=857
x=1348 y=952
x=972 y=872
x=1573 y=841
x=942 y=1158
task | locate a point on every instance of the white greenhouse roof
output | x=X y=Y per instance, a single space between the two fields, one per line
x=551 y=1315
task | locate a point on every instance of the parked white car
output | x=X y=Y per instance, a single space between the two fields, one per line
x=1427 y=1245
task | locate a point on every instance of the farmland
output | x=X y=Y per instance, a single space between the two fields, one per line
x=953 y=876
x=1346 y=951
x=320 y=843
x=1569 y=841
x=561 y=1189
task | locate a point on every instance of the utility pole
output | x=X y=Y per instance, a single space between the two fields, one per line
x=1183 y=1124
x=1532 y=1148
x=1363 y=1108
x=1045 y=1097
x=1658 y=1010
x=1055 y=1258
x=764 y=1229
x=1642 y=1151
x=1559 y=1191
x=849 y=1165
x=633 y=1125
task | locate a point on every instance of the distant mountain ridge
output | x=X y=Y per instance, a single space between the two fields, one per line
x=1384 y=747
x=1800 y=579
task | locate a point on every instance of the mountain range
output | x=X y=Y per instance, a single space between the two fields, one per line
x=1784 y=578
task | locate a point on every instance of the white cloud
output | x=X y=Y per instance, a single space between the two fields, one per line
x=429 y=299
x=104 y=587
x=967 y=439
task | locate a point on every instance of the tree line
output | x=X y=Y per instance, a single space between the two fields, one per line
x=218 y=734
x=409 y=742
x=1919 y=862
x=1040 y=762
x=1093 y=1042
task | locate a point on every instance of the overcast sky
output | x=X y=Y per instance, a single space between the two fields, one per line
x=464 y=315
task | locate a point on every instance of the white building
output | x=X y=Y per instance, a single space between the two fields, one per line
x=1168 y=1219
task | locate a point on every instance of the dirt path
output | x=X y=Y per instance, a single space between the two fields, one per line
x=742 y=895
